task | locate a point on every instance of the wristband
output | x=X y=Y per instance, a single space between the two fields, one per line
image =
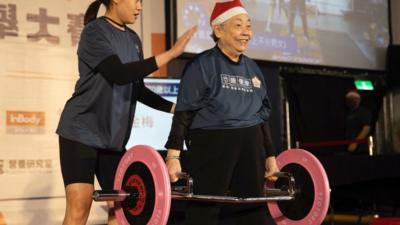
x=172 y=157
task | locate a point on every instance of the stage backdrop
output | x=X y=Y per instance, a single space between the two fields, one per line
x=38 y=70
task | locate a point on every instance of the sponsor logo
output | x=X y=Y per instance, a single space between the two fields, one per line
x=22 y=122
x=13 y=166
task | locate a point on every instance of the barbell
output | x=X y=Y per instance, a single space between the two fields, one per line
x=143 y=193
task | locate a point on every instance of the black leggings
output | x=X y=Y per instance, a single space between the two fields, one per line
x=80 y=163
x=227 y=162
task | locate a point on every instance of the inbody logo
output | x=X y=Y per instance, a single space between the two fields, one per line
x=19 y=122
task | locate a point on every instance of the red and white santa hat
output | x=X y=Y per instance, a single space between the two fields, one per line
x=224 y=10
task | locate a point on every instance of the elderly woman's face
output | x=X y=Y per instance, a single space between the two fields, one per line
x=235 y=33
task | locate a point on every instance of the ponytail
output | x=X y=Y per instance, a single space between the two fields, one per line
x=91 y=12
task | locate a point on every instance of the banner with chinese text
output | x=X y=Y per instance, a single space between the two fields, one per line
x=38 y=70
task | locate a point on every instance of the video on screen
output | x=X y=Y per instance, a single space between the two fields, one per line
x=338 y=33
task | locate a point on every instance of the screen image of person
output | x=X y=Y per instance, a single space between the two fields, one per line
x=222 y=113
x=343 y=33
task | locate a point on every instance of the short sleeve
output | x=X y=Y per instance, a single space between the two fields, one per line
x=94 y=45
x=193 y=88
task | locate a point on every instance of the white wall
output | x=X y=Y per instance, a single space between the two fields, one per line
x=153 y=22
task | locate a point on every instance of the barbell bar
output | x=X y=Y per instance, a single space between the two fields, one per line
x=143 y=193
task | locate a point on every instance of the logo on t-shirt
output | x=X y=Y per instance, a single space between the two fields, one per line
x=237 y=83
x=256 y=82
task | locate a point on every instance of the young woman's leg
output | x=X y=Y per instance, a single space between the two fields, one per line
x=79 y=201
x=78 y=163
x=107 y=164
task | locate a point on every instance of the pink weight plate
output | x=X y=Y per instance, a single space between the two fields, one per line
x=312 y=197
x=142 y=171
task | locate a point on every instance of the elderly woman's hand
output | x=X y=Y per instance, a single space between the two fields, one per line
x=271 y=168
x=172 y=161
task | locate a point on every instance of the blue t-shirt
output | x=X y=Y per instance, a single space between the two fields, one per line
x=224 y=94
x=356 y=120
x=100 y=113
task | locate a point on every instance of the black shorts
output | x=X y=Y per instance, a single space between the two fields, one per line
x=80 y=163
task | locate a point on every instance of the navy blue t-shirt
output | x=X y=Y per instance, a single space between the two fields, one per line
x=355 y=120
x=100 y=113
x=224 y=94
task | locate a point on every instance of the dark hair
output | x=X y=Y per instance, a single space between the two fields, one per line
x=93 y=9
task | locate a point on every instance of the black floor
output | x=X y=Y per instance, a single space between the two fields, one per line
x=346 y=213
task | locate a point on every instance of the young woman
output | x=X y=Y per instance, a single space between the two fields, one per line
x=96 y=122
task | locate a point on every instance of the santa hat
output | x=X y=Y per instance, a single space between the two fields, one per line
x=353 y=93
x=224 y=10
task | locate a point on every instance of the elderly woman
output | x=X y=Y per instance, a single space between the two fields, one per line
x=221 y=112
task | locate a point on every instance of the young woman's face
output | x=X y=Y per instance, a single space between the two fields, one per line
x=128 y=10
